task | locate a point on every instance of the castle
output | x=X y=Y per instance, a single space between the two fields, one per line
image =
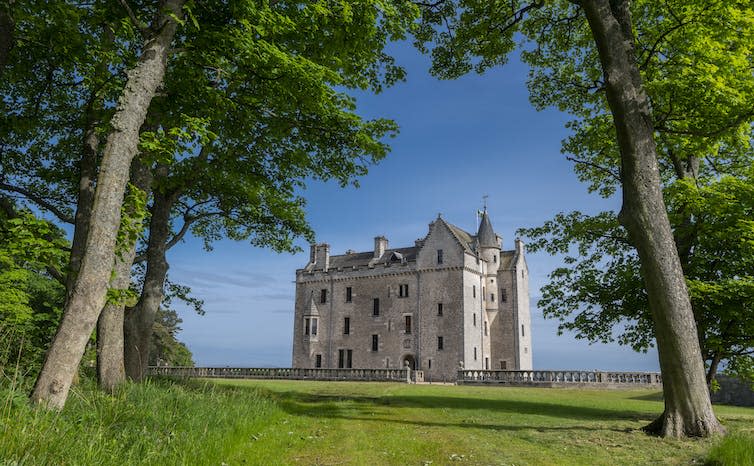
x=453 y=299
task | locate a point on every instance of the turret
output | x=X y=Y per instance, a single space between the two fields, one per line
x=488 y=249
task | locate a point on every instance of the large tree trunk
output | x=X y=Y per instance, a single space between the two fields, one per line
x=140 y=319
x=688 y=411
x=111 y=371
x=90 y=288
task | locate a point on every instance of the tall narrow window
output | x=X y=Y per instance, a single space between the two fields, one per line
x=341 y=359
x=503 y=365
x=429 y=364
x=346 y=326
x=503 y=295
x=473 y=291
x=323 y=296
x=306 y=326
x=492 y=297
x=494 y=258
x=475 y=353
x=485 y=328
x=314 y=326
x=403 y=291
x=349 y=358
x=439 y=309
x=439 y=256
x=408 y=324
x=486 y=364
x=522 y=330
x=349 y=294
x=375 y=342
x=440 y=343
x=318 y=361
x=376 y=307
x=474 y=315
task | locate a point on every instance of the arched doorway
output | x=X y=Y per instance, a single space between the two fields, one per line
x=410 y=360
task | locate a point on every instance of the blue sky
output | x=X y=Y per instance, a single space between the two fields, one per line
x=459 y=140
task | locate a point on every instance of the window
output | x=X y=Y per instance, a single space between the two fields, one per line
x=408 y=324
x=485 y=328
x=522 y=331
x=475 y=353
x=310 y=326
x=503 y=365
x=440 y=344
x=473 y=291
x=403 y=291
x=345 y=358
x=375 y=342
x=439 y=309
x=323 y=296
x=429 y=364
x=346 y=326
x=474 y=315
x=439 y=256
x=318 y=361
x=503 y=295
x=376 y=306
x=486 y=364
x=492 y=297
x=494 y=258
x=349 y=294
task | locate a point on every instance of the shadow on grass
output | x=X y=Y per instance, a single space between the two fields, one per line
x=655 y=396
x=367 y=408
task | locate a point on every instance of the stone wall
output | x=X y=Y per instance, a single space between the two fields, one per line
x=733 y=391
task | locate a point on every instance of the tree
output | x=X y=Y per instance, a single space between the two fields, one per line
x=165 y=349
x=88 y=295
x=694 y=63
x=479 y=29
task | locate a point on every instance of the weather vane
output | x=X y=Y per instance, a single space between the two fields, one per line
x=484 y=200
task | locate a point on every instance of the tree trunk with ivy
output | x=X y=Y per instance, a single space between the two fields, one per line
x=688 y=410
x=111 y=371
x=140 y=319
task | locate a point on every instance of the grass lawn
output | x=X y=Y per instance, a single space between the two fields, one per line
x=377 y=423
x=236 y=422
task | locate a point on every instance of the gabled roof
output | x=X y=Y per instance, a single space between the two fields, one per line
x=312 y=310
x=465 y=238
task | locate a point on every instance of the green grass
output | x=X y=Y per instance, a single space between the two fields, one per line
x=295 y=422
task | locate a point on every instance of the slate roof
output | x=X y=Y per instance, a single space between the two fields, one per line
x=363 y=259
x=486 y=235
x=507 y=259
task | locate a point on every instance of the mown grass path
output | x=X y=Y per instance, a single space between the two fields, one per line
x=376 y=423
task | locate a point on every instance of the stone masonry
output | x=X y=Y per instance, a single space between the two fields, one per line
x=453 y=300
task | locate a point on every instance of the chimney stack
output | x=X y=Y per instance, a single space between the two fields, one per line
x=321 y=255
x=380 y=245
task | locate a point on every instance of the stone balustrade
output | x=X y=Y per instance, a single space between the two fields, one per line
x=549 y=378
x=367 y=375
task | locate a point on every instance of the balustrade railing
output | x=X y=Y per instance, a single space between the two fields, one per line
x=374 y=375
x=548 y=377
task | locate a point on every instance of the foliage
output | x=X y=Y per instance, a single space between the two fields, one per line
x=695 y=61
x=30 y=300
x=287 y=422
x=165 y=349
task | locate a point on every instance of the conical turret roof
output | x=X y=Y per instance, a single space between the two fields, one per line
x=486 y=235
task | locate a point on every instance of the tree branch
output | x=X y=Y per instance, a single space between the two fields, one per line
x=605 y=170
x=59 y=213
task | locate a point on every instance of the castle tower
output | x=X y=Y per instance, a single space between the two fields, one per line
x=489 y=252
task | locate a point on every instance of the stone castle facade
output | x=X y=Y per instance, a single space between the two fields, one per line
x=452 y=299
